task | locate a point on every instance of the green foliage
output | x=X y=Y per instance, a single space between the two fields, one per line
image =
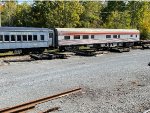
x=56 y=13
x=112 y=6
x=23 y=17
x=145 y=34
x=118 y=20
x=93 y=14
x=140 y=17
x=8 y=13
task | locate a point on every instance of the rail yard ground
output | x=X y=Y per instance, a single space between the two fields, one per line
x=111 y=83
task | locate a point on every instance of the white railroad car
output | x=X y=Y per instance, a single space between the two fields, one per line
x=25 y=39
x=96 y=36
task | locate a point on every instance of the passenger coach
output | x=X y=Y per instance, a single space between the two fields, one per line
x=98 y=37
x=25 y=39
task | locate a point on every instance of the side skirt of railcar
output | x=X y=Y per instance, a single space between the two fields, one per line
x=24 y=50
x=113 y=46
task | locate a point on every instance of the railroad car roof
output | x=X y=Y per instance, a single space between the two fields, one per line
x=73 y=31
x=94 y=29
x=2 y=29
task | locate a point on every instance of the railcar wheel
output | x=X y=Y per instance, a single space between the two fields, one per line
x=25 y=52
x=17 y=51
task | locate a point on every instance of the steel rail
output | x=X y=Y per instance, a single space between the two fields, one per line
x=32 y=104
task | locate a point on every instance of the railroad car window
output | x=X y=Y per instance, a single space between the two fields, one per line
x=6 y=37
x=108 y=36
x=1 y=37
x=131 y=35
x=24 y=37
x=85 y=36
x=77 y=37
x=13 y=38
x=35 y=37
x=67 y=37
x=42 y=37
x=114 y=36
x=18 y=37
x=118 y=36
x=50 y=35
x=92 y=36
x=29 y=37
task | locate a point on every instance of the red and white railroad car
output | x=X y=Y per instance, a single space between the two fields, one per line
x=97 y=36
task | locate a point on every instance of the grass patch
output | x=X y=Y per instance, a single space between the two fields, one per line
x=7 y=53
x=51 y=51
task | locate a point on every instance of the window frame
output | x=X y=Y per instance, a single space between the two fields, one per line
x=51 y=35
x=92 y=36
x=13 y=37
x=36 y=37
x=42 y=36
x=136 y=36
x=24 y=37
x=29 y=38
x=76 y=37
x=115 y=36
x=66 y=37
x=7 y=37
x=2 y=36
x=85 y=36
x=20 y=36
x=108 y=36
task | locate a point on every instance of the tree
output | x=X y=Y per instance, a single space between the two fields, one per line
x=91 y=14
x=39 y=12
x=23 y=15
x=1 y=9
x=56 y=13
x=8 y=13
x=140 y=17
x=72 y=12
x=112 y=6
x=134 y=7
x=118 y=20
x=144 y=23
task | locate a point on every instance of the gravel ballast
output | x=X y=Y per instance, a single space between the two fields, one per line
x=111 y=83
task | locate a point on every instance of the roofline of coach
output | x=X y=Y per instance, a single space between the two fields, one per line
x=27 y=29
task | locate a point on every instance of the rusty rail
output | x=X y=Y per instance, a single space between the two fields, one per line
x=32 y=104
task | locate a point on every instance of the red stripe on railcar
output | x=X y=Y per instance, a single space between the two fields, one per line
x=93 y=33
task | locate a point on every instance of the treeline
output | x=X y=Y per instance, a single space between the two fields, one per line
x=89 y=14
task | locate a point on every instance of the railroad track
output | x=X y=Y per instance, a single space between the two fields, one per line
x=30 y=105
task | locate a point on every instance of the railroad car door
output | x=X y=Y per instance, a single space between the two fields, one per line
x=50 y=38
x=53 y=38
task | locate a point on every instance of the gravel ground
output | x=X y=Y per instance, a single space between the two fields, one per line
x=111 y=83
